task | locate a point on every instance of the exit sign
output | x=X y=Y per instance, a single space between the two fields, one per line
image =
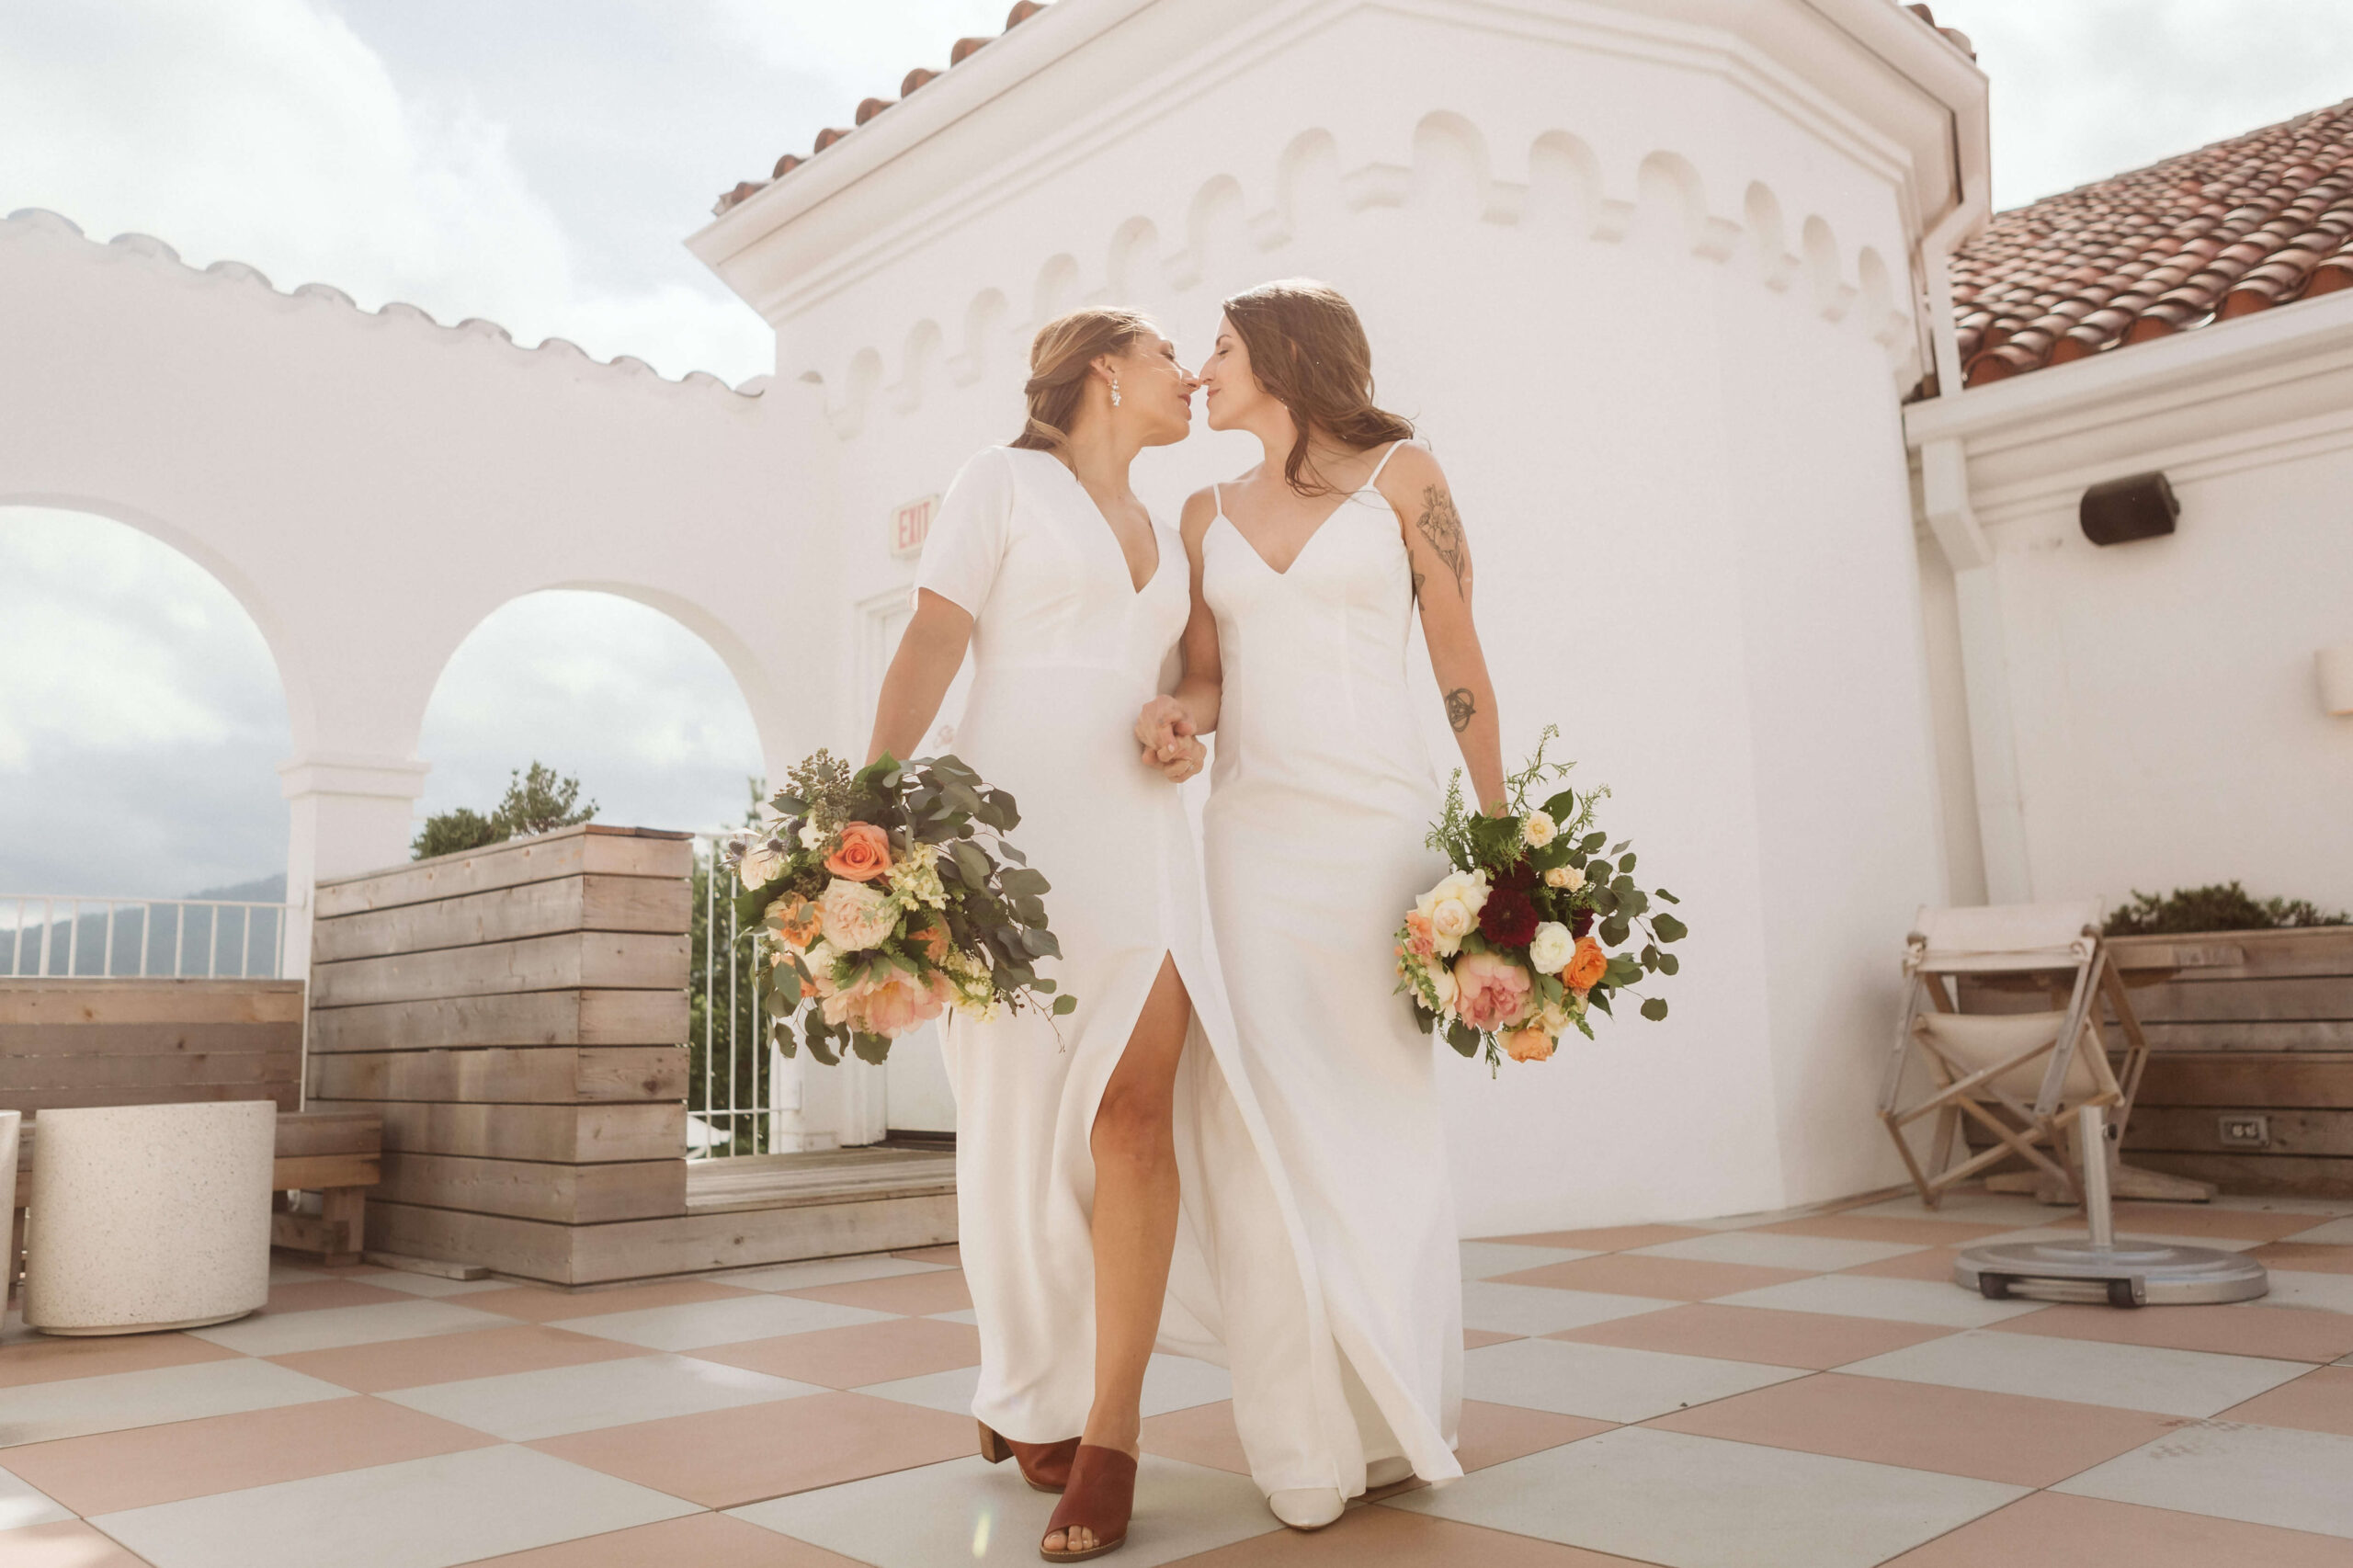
x=910 y=524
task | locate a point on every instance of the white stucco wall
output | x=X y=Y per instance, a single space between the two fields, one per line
x=1650 y=306
x=370 y=486
x=2166 y=715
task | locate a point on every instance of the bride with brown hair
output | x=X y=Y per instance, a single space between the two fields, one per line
x=1309 y=572
x=1082 y=1141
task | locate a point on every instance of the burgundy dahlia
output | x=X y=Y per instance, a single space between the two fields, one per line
x=1581 y=924
x=1509 y=919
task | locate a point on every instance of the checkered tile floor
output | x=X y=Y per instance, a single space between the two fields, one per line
x=1742 y=1393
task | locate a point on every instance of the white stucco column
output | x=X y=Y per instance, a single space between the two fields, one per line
x=349 y=812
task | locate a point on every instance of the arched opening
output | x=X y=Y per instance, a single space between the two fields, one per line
x=143 y=718
x=647 y=716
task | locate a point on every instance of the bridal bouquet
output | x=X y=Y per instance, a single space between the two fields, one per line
x=878 y=897
x=1513 y=948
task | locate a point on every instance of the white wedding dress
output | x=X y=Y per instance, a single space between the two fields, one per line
x=1065 y=651
x=1321 y=796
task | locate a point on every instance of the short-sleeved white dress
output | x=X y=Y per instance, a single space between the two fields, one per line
x=1065 y=650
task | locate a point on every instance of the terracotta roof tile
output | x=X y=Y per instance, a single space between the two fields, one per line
x=965 y=50
x=2241 y=226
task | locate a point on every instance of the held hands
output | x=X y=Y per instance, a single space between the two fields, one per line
x=1169 y=742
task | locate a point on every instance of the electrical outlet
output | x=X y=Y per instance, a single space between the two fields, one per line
x=2239 y=1130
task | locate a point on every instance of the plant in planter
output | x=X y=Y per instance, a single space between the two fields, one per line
x=2248 y=1003
x=2223 y=907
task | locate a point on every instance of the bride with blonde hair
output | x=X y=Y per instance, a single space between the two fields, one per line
x=1083 y=1141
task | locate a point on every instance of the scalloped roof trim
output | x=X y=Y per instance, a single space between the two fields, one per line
x=627 y=365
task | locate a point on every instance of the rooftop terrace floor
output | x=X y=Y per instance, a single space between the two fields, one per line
x=1753 y=1392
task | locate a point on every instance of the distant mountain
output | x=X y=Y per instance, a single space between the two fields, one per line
x=261 y=890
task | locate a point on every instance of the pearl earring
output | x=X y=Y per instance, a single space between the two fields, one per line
x=1115 y=391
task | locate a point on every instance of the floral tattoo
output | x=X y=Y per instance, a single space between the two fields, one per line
x=1442 y=526
x=1459 y=709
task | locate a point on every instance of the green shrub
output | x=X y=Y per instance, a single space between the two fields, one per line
x=2225 y=906
x=538 y=800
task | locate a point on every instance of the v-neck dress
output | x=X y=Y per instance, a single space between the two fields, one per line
x=1321 y=798
x=1065 y=651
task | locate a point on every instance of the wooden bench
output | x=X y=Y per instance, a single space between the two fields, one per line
x=335 y=1153
x=116 y=1042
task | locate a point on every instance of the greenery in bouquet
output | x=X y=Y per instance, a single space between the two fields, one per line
x=1529 y=932
x=882 y=898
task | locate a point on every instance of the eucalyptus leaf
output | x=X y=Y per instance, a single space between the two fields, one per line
x=871 y=1048
x=1463 y=1038
x=1065 y=1005
x=1669 y=928
x=1614 y=930
x=1668 y=963
x=1655 y=1008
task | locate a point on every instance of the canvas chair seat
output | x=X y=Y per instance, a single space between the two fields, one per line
x=1976 y=1042
x=2019 y=1076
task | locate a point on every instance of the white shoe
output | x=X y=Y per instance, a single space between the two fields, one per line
x=1387 y=1472
x=1308 y=1507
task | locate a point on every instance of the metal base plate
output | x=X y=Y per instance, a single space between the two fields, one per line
x=2129 y=1274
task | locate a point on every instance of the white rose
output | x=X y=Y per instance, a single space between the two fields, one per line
x=857 y=916
x=1443 y=985
x=762 y=863
x=1450 y=921
x=820 y=959
x=1567 y=877
x=1551 y=949
x=1452 y=908
x=1539 y=829
x=810 y=836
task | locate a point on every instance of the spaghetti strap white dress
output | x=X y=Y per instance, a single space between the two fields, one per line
x=1321 y=796
x=1065 y=650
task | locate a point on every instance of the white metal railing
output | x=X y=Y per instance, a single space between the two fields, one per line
x=94 y=938
x=730 y=1090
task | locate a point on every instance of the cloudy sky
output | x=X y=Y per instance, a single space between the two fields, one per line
x=537 y=162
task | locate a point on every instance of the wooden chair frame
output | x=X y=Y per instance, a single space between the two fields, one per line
x=2036 y=1130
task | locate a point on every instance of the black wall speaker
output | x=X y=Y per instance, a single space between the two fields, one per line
x=2121 y=510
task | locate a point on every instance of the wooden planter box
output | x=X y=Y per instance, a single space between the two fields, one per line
x=2250 y=1078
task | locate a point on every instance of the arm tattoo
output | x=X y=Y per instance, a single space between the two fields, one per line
x=1418 y=580
x=1442 y=526
x=1459 y=709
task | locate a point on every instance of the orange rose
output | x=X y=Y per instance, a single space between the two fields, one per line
x=800 y=917
x=865 y=853
x=1528 y=1045
x=1586 y=966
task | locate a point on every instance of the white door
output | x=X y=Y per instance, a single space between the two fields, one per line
x=916 y=1096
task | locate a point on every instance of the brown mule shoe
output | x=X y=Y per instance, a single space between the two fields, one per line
x=1045 y=1466
x=1101 y=1495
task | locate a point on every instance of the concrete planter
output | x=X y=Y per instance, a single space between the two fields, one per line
x=149 y=1217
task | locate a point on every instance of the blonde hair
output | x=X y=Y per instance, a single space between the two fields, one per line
x=1061 y=358
x=1308 y=350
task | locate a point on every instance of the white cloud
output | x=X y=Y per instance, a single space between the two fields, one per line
x=266 y=131
x=2083 y=89
x=634 y=704
x=141 y=716
x=868 y=48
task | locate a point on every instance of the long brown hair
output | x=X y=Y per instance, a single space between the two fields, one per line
x=1308 y=349
x=1061 y=358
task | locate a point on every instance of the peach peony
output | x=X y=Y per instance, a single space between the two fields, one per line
x=1531 y=1044
x=864 y=855
x=1492 y=992
x=799 y=918
x=886 y=1000
x=1587 y=968
x=855 y=916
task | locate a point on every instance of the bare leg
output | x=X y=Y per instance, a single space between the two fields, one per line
x=1135 y=1219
